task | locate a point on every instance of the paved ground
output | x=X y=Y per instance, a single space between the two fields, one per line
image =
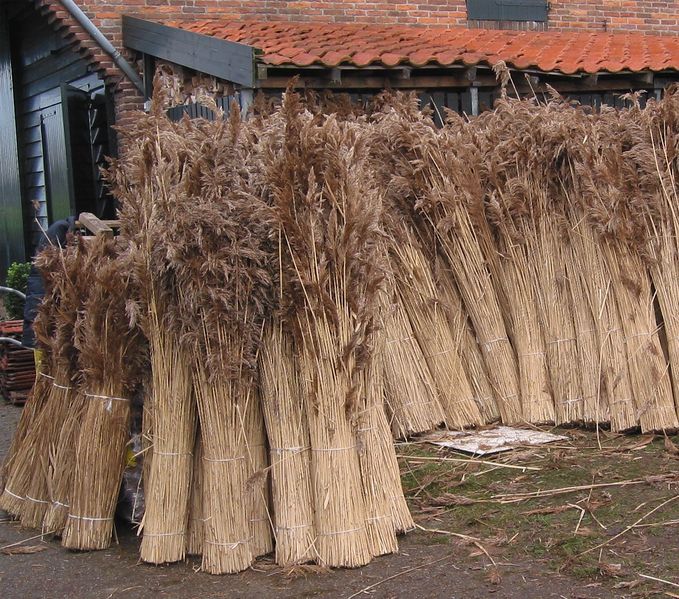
x=534 y=555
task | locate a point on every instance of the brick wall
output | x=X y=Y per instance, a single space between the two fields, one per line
x=658 y=16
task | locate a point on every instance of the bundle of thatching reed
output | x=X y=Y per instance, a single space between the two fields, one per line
x=387 y=512
x=438 y=336
x=195 y=534
x=288 y=432
x=150 y=183
x=525 y=148
x=78 y=262
x=470 y=352
x=618 y=219
x=431 y=177
x=516 y=274
x=654 y=158
x=411 y=399
x=17 y=467
x=219 y=252
x=329 y=211
x=112 y=354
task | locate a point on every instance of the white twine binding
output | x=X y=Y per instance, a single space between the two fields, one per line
x=498 y=340
x=293 y=449
x=232 y=546
x=58 y=503
x=14 y=495
x=61 y=387
x=164 y=534
x=294 y=527
x=36 y=500
x=340 y=532
x=564 y=340
x=167 y=453
x=422 y=403
x=242 y=457
x=334 y=448
x=73 y=517
x=108 y=398
x=47 y=376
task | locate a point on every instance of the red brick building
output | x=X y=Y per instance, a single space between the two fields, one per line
x=65 y=89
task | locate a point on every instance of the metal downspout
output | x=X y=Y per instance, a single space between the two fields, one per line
x=102 y=40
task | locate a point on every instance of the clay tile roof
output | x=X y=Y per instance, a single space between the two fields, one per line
x=334 y=44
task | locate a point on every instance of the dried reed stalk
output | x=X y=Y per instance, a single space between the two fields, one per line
x=411 y=399
x=339 y=506
x=195 y=535
x=111 y=357
x=257 y=484
x=61 y=466
x=558 y=321
x=288 y=433
x=439 y=342
x=227 y=545
x=173 y=423
x=387 y=511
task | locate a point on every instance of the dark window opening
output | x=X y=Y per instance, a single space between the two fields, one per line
x=507 y=10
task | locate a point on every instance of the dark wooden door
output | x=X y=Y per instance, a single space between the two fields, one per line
x=67 y=151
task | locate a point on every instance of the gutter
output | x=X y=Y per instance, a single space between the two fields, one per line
x=105 y=44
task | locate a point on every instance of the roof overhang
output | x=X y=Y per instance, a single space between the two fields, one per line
x=220 y=58
x=248 y=66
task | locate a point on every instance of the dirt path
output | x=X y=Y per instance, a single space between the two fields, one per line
x=429 y=565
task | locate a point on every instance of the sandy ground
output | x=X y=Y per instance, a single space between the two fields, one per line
x=431 y=565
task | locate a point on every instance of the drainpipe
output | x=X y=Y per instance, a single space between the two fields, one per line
x=101 y=39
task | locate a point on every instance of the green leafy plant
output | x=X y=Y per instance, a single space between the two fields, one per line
x=17 y=278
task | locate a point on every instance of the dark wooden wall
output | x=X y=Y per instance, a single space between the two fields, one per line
x=61 y=130
x=11 y=218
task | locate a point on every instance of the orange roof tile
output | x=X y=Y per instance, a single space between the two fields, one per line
x=334 y=44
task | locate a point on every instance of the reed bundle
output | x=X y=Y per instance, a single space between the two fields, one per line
x=411 y=399
x=66 y=265
x=111 y=358
x=431 y=177
x=14 y=472
x=516 y=273
x=27 y=461
x=439 y=340
x=470 y=352
x=227 y=533
x=618 y=218
x=329 y=210
x=387 y=511
x=288 y=432
x=195 y=535
x=222 y=299
x=257 y=487
x=151 y=184
x=655 y=158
